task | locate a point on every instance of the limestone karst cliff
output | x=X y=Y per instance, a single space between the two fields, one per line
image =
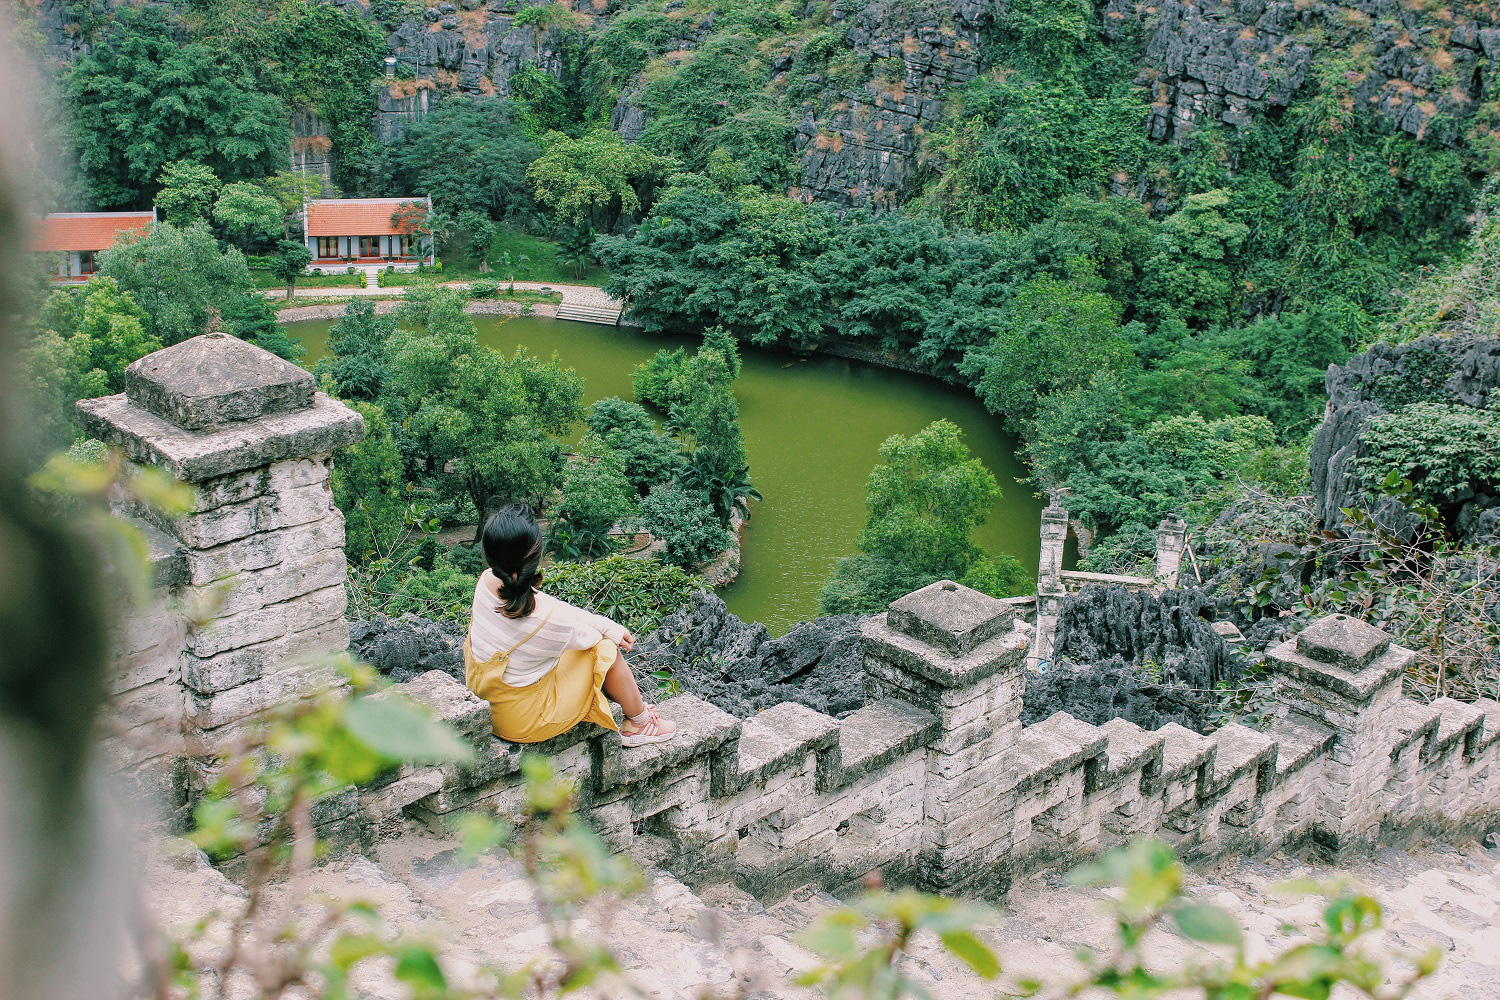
x=858 y=88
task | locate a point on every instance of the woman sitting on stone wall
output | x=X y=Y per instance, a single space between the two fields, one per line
x=542 y=664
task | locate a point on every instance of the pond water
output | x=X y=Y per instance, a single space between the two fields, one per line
x=812 y=431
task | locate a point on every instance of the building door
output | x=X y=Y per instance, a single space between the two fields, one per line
x=328 y=246
x=369 y=246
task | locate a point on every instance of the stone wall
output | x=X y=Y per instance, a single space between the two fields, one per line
x=934 y=780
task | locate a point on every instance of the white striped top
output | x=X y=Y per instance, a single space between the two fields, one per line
x=568 y=628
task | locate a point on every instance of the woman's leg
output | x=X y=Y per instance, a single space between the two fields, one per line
x=621 y=688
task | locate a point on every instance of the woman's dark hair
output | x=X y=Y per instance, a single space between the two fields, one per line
x=513 y=548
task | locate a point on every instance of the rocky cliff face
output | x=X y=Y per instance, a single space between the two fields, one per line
x=1229 y=60
x=859 y=144
x=1382 y=380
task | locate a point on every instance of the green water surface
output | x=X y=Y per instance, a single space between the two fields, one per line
x=812 y=430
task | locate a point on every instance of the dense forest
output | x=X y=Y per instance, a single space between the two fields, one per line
x=1140 y=236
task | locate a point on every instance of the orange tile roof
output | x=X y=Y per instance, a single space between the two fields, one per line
x=67 y=231
x=356 y=216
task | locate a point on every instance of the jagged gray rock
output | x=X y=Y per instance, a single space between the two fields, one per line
x=1382 y=380
x=1147 y=658
x=709 y=652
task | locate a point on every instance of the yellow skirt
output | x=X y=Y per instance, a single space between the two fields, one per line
x=570 y=693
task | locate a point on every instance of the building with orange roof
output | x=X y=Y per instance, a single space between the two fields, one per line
x=347 y=232
x=75 y=239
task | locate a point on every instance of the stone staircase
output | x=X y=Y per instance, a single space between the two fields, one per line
x=674 y=942
x=581 y=313
x=590 y=306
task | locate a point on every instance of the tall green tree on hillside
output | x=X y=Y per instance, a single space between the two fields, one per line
x=469 y=155
x=1056 y=333
x=147 y=98
x=188 y=191
x=181 y=277
x=595 y=178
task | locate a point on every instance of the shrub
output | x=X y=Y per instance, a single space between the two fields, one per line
x=1449 y=452
x=685 y=523
x=653 y=379
x=637 y=593
x=484 y=288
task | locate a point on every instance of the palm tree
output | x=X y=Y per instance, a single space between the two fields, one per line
x=576 y=248
x=509 y=263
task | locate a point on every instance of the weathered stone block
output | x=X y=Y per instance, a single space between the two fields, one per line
x=214 y=379
x=450 y=703
x=194 y=456
x=278 y=477
x=229 y=669
x=231 y=522
x=950 y=617
x=236 y=704
x=264 y=550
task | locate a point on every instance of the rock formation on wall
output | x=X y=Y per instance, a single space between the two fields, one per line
x=1122 y=654
x=1384 y=379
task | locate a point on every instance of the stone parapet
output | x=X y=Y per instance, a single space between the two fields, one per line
x=935 y=782
x=251 y=579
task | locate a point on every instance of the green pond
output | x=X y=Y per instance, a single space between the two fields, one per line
x=812 y=431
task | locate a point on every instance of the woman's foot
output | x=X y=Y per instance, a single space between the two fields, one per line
x=652 y=729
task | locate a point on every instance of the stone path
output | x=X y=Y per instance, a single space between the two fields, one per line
x=678 y=944
x=581 y=303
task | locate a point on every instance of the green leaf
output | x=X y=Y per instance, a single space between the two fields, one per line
x=974 y=952
x=350 y=949
x=418 y=966
x=1208 y=924
x=398 y=729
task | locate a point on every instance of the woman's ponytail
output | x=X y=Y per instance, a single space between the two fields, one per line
x=512 y=546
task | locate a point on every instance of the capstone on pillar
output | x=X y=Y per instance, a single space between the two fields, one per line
x=261 y=552
x=960 y=655
x=1343 y=676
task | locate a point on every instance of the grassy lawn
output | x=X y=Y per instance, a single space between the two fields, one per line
x=265 y=279
x=541 y=264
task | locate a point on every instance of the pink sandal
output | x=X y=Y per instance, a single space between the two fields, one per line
x=654 y=730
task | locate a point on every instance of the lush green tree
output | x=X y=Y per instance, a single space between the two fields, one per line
x=469 y=155
x=655 y=379
x=576 y=248
x=248 y=215
x=358 y=352
x=637 y=593
x=707 y=417
x=594 y=178
x=292 y=258
x=650 y=457
x=479 y=231
x=146 y=98
x=1449 y=452
x=86 y=339
x=925 y=500
x=188 y=191
x=253 y=318
x=1192 y=274
x=596 y=496
x=483 y=425
x=1055 y=333
x=685 y=523
x=181 y=277
x=291 y=189
x=369 y=487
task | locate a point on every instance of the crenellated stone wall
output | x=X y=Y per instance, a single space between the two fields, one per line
x=934 y=781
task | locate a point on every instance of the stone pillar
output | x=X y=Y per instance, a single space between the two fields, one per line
x=1171 y=541
x=263 y=570
x=1343 y=675
x=1049 y=587
x=958 y=654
